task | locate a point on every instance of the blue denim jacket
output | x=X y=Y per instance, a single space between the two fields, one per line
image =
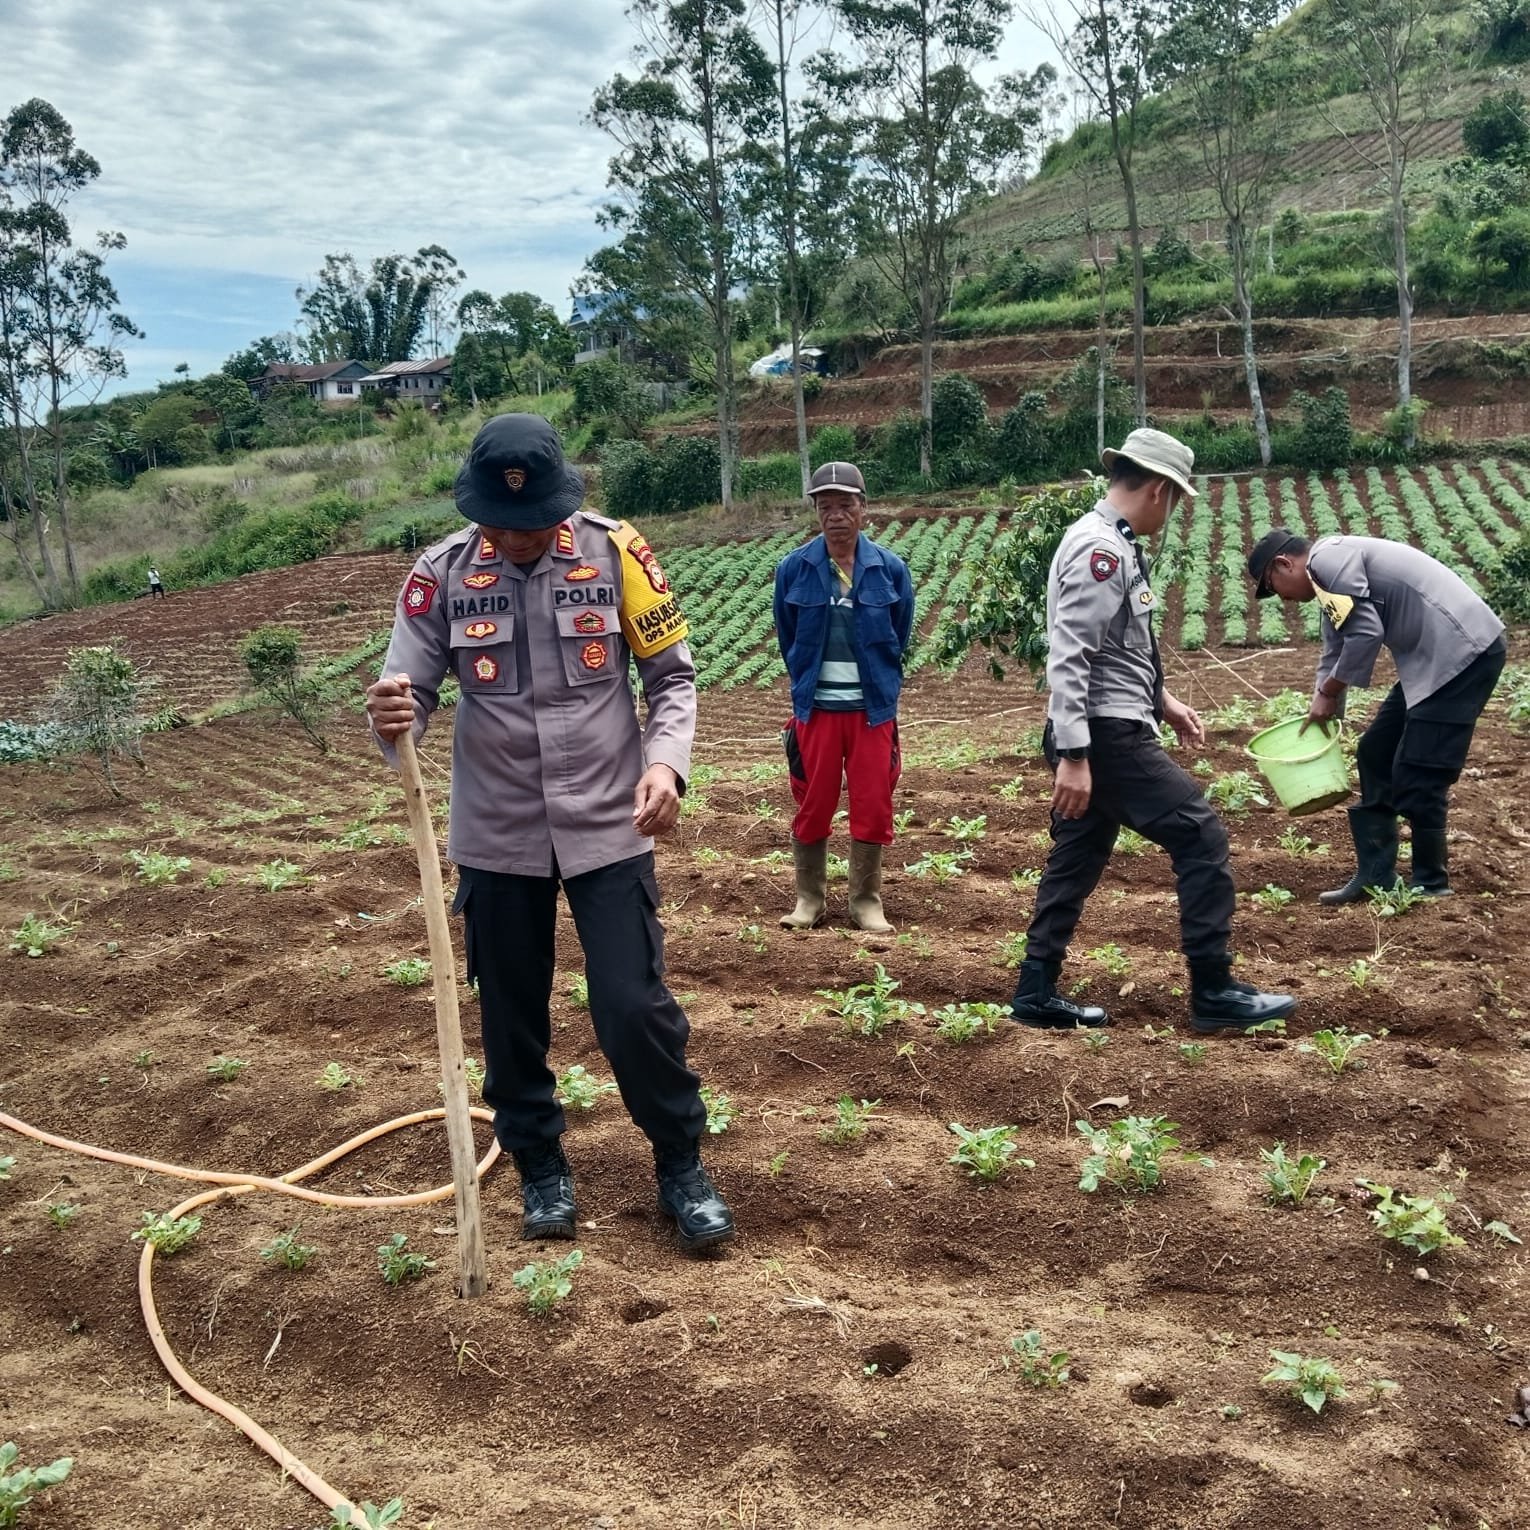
x=882 y=598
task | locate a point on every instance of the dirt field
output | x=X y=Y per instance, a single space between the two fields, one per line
x=739 y=1390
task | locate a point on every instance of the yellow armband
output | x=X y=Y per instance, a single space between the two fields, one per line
x=650 y=613
x=1338 y=607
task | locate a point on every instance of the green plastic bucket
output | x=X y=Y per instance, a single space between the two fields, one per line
x=1307 y=771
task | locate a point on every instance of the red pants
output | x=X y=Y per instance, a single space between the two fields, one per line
x=833 y=747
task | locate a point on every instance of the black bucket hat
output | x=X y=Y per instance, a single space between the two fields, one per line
x=516 y=477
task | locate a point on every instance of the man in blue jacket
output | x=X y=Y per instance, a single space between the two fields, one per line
x=844 y=612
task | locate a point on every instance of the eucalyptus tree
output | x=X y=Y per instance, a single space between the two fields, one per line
x=684 y=125
x=932 y=141
x=60 y=335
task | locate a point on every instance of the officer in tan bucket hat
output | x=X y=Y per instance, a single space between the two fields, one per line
x=1108 y=699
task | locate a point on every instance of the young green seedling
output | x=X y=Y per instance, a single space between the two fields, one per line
x=6 y=1165
x=1112 y=958
x=1129 y=1153
x=1012 y=949
x=1390 y=902
x=1309 y=1378
x=157 y=868
x=334 y=1078
x=721 y=1111
x=1287 y=1180
x=372 y=1518
x=957 y=1023
x=966 y=831
x=867 y=1009
x=226 y=1069
x=397 y=1266
x=20 y=1484
x=850 y=1120
x=987 y=1153
x=939 y=865
x=169 y=1235
x=408 y=971
x=62 y=1213
x=1419 y=1222
x=1270 y=899
x=547 y=1283
x=1029 y=1355
x=36 y=936
x=286 y=1252
x=278 y=874
x=581 y=1090
x=1336 y=1047
x=1192 y=1053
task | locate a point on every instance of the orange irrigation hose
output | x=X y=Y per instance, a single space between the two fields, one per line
x=228 y=1186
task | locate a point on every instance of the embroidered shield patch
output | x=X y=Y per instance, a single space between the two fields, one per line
x=650 y=564
x=589 y=621
x=593 y=656
x=480 y=629
x=1103 y=564
x=515 y=479
x=480 y=581
x=583 y=572
x=564 y=544
x=418 y=594
x=486 y=669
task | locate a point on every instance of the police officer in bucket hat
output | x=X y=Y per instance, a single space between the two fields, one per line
x=1107 y=701
x=536 y=608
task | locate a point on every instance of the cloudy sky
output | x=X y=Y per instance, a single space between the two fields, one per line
x=242 y=140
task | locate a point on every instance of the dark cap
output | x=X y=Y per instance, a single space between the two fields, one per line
x=1268 y=548
x=838 y=475
x=516 y=477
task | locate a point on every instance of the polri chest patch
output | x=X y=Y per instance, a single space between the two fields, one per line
x=593 y=656
x=485 y=669
x=1103 y=564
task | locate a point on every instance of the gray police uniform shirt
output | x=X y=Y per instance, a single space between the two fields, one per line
x=1376 y=593
x=1099 y=625
x=547 y=748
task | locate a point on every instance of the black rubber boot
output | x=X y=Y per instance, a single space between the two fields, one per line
x=1037 y=1002
x=547 y=1191
x=686 y=1195
x=1430 y=875
x=1374 y=831
x=1217 y=1003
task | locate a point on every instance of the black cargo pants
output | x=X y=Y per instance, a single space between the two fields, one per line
x=509 y=924
x=1136 y=784
x=1410 y=757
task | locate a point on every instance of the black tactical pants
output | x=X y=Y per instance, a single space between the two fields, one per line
x=509 y=924
x=1136 y=784
x=1410 y=757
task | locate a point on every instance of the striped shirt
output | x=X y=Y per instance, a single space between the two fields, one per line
x=839 y=681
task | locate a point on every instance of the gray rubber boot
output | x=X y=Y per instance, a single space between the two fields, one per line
x=866 y=888
x=812 y=866
x=1374 y=831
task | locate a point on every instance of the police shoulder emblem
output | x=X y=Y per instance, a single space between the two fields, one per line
x=583 y=572
x=593 y=656
x=641 y=551
x=486 y=669
x=480 y=581
x=480 y=629
x=419 y=592
x=1103 y=563
x=515 y=479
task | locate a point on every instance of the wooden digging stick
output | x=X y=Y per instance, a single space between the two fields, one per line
x=472 y=1261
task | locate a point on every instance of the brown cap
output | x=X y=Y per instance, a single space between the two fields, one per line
x=838 y=475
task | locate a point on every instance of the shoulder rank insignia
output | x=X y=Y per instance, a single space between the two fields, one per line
x=593 y=656
x=589 y=622
x=419 y=592
x=583 y=572
x=487 y=551
x=1103 y=563
x=650 y=614
x=480 y=581
x=486 y=669
x=563 y=543
x=480 y=629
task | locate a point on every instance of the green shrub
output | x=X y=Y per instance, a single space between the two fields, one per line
x=958 y=414
x=687 y=473
x=778 y=475
x=832 y=443
x=1022 y=445
x=626 y=478
x=1325 y=438
x=1508 y=584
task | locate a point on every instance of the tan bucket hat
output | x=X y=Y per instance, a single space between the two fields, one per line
x=1155 y=451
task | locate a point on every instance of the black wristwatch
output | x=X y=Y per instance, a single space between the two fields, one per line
x=1073 y=754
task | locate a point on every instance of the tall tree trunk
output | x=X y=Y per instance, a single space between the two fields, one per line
x=722 y=318
x=927 y=314
x=926 y=381
x=1099 y=350
x=789 y=173
x=1238 y=249
x=1139 y=306
x=1404 y=297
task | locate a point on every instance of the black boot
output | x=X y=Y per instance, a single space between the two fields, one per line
x=1430 y=860
x=547 y=1191
x=1374 y=830
x=700 y=1214
x=1038 y=1003
x=1217 y=1003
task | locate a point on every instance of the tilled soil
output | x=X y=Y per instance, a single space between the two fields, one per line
x=843 y=1363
